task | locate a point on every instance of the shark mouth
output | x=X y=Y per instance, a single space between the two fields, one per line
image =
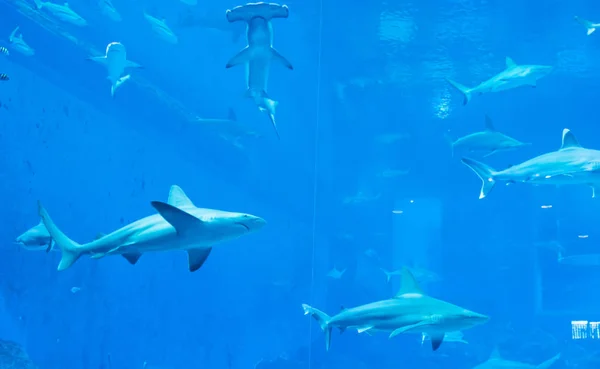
x=245 y=226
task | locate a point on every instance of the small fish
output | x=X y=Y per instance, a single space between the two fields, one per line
x=4 y=77
x=4 y=51
x=75 y=289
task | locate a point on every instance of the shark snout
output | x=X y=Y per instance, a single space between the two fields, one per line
x=251 y=222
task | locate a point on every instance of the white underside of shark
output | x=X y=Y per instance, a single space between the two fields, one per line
x=512 y=77
x=180 y=225
x=410 y=311
x=571 y=164
x=259 y=52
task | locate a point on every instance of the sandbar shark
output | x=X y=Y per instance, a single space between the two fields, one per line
x=571 y=164
x=410 y=311
x=180 y=225
x=259 y=52
x=17 y=43
x=62 y=12
x=489 y=140
x=115 y=61
x=512 y=76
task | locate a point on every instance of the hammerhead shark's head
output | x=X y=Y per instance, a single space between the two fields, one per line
x=180 y=225
x=497 y=362
x=513 y=76
x=489 y=140
x=115 y=61
x=36 y=238
x=259 y=52
x=410 y=311
x=62 y=12
x=571 y=164
x=18 y=44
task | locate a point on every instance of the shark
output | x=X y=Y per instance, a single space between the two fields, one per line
x=336 y=273
x=589 y=26
x=179 y=225
x=62 y=12
x=115 y=61
x=36 y=238
x=410 y=311
x=495 y=361
x=512 y=76
x=489 y=140
x=159 y=26
x=571 y=164
x=17 y=43
x=108 y=9
x=259 y=52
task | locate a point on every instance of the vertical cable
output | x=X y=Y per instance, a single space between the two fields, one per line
x=315 y=182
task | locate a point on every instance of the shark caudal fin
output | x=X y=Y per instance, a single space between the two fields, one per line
x=589 y=26
x=548 y=363
x=485 y=173
x=118 y=84
x=70 y=250
x=464 y=90
x=323 y=320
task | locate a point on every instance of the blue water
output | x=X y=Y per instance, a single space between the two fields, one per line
x=361 y=71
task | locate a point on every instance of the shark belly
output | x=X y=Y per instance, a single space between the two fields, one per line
x=257 y=76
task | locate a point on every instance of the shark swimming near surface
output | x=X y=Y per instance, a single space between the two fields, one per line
x=179 y=225
x=489 y=141
x=115 y=61
x=513 y=76
x=259 y=52
x=571 y=164
x=410 y=311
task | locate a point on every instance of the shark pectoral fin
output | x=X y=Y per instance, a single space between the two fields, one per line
x=178 y=198
x=132 y=257
x=436 y=340
x=131 y=64
x=407 y=328
x=280 y=58
x=98 y=59
x=197 y=257
x=241 y=57
x=180 y=220
x=364 y=329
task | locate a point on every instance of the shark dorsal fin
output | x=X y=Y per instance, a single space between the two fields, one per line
x=569 y=140
x=495 y=353
x=510 y=63
x=489 y=125
x=178 y=198
x=409 y=284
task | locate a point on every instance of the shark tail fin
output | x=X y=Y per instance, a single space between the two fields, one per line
x=485 y=173
x=323 y=320
x=589 y=26
x=548 y=363
x=464 y=90
x=118 y=84
x=70 y=250
x=388 y=275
